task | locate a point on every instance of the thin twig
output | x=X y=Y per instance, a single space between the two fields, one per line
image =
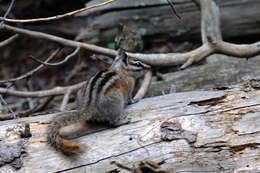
x=187 y=63
x=26 y=113
x=36 y=108
x=58 y=63
x=56 y=17
x=173 y=9
x=30 y=73
x=9 y=40
x=145 y=85
x=5 y=103
x=43 y=93
x=62 y=41
x=7 y=12
x=65 y=100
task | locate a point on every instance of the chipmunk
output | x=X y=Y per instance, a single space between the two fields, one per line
x=101 y=99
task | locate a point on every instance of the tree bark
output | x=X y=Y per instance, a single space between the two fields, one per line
x=221 y=127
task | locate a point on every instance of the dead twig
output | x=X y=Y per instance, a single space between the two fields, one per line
x=55 y=17
x=7 y=12
x=65 y=100
x=62 y=41
x=5 y=103
x=58 y=63
x=9 y=40
x=27 y=113
x=43 y=93
x=30 y=73
x=173 y=9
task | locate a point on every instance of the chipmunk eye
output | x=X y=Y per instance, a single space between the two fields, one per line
x=138 y=64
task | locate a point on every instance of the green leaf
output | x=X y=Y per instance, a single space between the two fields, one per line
x=111 y=45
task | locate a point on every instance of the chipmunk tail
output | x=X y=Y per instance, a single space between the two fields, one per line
x=56 y=140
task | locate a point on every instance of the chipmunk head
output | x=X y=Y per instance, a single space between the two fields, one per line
x=129 y=66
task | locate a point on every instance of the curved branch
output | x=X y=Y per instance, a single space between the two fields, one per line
x=42 y=93
x=55 y=17
x=145 y=85
x=242 y=50
x=62 y=41
x=58 y=63
x=170 y=59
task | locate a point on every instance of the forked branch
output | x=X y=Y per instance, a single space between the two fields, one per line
x=159 y=60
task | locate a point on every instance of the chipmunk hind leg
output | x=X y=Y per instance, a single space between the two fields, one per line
x=113 y=113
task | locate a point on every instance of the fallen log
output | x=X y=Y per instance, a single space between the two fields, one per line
x=155 y=21
x=201 y=131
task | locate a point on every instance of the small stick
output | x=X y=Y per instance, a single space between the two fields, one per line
x=58 y=63
x=30 y=73
x=6 y=13
x=43 y=93
x=173 y=9
x=9 y=40
x=145 y=85
x=55 y=17
x=65 y=100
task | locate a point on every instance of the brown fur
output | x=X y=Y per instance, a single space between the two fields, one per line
x=120 y=82
x=71 y=147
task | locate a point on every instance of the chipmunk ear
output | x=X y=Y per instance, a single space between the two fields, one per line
x=122 y=55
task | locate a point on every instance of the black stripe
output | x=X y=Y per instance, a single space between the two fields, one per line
x=83 y=93
x=105 y=79
x=92 y=85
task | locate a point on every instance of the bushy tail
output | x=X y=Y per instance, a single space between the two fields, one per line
x=56 y=140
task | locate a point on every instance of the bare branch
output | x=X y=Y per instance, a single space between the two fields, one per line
x=42 y=93
x=7 y=12
x=9 y=40
x=145 y=85
x=65 y=100
x=62 y=41
x=55 y=17
x=242 y=50
x=173 y=9
x=58 y=63
x=169 y=59
x=30 y=73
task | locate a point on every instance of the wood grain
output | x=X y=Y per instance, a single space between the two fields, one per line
x=226 y=124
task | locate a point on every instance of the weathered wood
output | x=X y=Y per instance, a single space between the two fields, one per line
x=226 y=124
x=155 y=20
x=216 y=71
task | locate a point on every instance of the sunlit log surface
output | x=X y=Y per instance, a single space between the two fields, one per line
x=225 y=125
